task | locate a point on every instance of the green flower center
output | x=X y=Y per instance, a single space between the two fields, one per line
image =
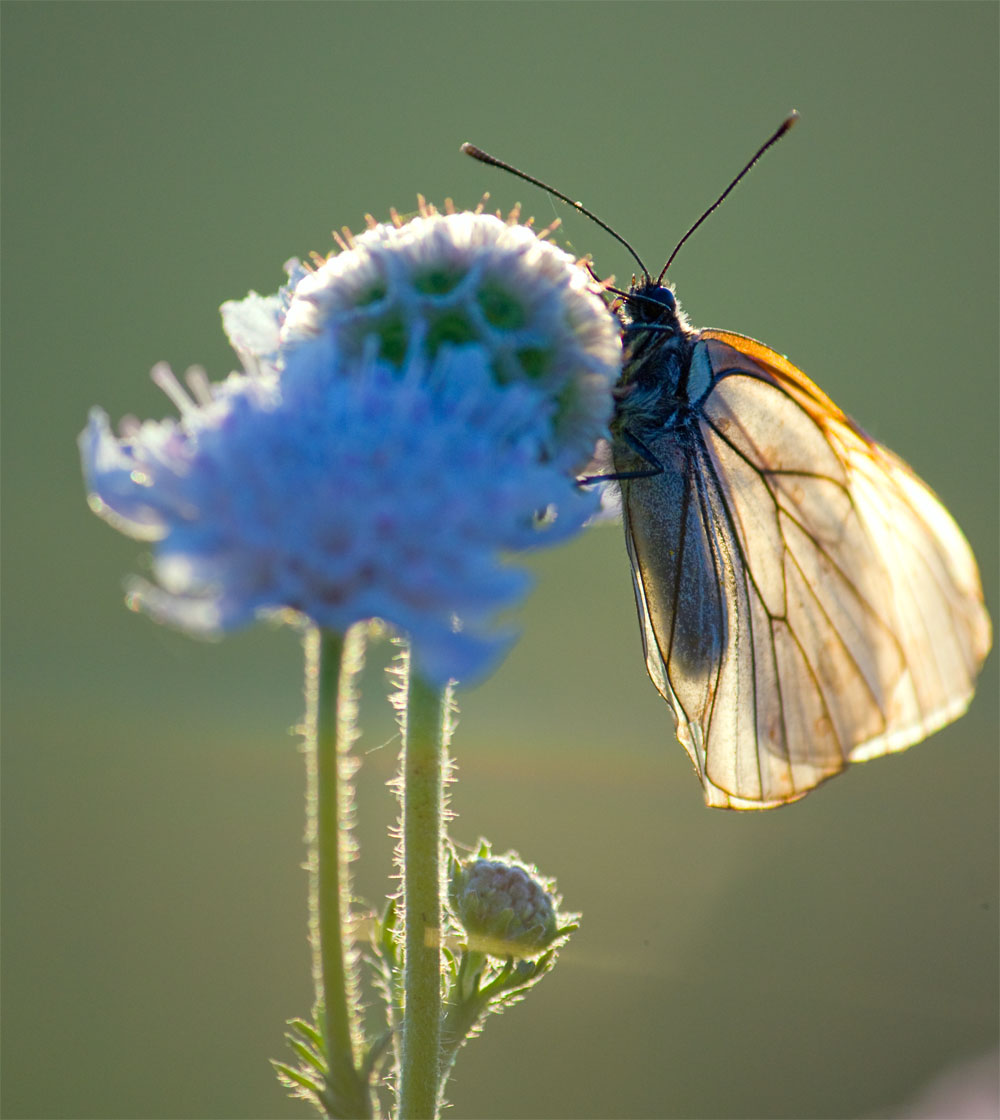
x=535 y=361
x=449 y=326
x=393 y=333
x=374 y=294
x=500 y=308
x=439 y=281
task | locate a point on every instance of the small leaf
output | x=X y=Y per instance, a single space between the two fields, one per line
x=308 y=1031
x=294 y=1078
x=375 y=1054
x=386 y=944
x=307 y=1054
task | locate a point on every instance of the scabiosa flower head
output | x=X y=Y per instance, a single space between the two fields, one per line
x=506 y=908
x=340 y=479
x=456 y=279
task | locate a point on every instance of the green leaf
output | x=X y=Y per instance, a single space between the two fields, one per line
x=375 y=1054
x=295 y=1078
x=307 y=1030
x=308 y=1055
x=389 y=919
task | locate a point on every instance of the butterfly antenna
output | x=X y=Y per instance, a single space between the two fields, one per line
x=786 y=124
x=485 y=157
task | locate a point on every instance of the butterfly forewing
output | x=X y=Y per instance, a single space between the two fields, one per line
x=909 y=561
x=805 y=599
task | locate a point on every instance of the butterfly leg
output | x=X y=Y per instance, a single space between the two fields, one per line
x=655 y=466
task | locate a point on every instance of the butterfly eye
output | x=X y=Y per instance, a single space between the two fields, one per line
x=653 y=308
x=666 y=297
x=652 y=300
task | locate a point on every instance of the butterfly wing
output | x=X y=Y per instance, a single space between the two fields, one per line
x=810 y=602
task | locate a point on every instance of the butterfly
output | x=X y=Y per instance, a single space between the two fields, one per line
x=805 y=600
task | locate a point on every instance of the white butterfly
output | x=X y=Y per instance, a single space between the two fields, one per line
x=805 y=600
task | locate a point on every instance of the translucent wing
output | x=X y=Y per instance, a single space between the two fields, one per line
x=806 y=601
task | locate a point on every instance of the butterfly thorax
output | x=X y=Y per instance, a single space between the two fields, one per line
x=653 y=391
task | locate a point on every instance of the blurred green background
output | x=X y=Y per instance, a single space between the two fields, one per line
x=821 y=961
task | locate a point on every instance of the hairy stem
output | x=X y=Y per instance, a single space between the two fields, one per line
x=424 y=767
x=332 y=666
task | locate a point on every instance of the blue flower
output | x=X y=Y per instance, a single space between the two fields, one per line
x=339 y=480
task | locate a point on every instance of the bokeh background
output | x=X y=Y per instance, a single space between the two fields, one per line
x=825 y=960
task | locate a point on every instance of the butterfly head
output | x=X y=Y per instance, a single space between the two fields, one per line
x=651 y=306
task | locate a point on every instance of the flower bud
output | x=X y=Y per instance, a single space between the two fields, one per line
x=507 y=909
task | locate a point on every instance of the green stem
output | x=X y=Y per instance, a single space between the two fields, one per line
x=424 y=768
x=332 y=665
x=466 y=1007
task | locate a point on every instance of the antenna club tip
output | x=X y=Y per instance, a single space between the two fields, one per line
x=471 y=150
x=792 y=117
